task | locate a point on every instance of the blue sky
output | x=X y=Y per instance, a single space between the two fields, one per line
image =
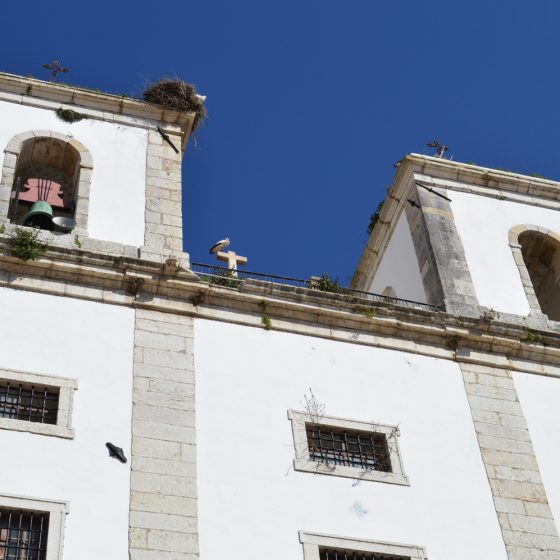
x=311 y=102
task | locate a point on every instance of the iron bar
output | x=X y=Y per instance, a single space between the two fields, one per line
x=28 y=403
x=23 y=534
x=348 y=448
x=430 y=189
x=339 y=554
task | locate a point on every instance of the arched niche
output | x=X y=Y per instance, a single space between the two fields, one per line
x=537 y=254
x=49 y=166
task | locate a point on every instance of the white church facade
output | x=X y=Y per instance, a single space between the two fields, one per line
x=153 y=410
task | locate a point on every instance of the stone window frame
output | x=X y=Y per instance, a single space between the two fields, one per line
x=66 y=387
x=57 y=510
x=513 y=236
x=312 y=542
x=11 y=154
x=304 y=463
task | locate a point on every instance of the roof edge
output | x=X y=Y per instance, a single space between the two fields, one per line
x=16 y=88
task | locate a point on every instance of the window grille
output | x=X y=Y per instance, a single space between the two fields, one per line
x=31 y=403
x=348 y=448
x=23 y=535
x=330 y=554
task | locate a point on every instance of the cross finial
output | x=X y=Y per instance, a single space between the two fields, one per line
x=439 y=148
x=55 y=68
x=233 y=259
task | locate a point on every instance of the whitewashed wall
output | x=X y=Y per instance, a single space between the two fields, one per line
x=540 y=400
x=399 y=266
x=251 y=503
x=117 y=199
x=483 y=224
x=93 y=343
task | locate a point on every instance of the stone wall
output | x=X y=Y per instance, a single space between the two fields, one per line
x=528 y=528
x=163 y=500
x=440 y=254
x=164 y=233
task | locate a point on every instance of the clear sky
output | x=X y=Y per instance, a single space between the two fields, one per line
x=312 y=101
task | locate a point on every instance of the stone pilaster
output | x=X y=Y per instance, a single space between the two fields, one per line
x=164 y=233
x=440 y=253
x=528 y=528
x=163 y=497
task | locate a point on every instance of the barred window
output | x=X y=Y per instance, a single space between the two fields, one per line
x=28 y=402
x=318 y=546
x=332 y=554
x=348 y=448
x=23 y=534
x=334 y=446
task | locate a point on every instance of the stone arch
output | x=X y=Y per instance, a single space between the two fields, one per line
x=536 y=252
x=84 y=168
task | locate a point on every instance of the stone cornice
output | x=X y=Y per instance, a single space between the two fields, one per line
x=102 y=106
x=491 y=179
x=450 y=175
x=143 y=284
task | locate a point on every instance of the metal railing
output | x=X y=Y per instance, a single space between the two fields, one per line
x=221 y=275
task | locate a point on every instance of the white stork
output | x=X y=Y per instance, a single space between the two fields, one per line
x=222 y=244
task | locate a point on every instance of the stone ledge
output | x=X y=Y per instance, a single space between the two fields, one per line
x=103 y=106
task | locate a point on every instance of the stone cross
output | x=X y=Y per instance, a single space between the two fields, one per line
x=233 y=259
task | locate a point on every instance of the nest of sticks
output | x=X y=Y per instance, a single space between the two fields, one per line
x=175 y=94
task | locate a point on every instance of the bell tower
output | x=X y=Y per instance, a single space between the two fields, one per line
x=474 y=241
x=100 y=168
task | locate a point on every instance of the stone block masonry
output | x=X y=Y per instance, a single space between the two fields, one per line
x=163 y=497
x=440 y=253
x=525 y=518
x=163 y=195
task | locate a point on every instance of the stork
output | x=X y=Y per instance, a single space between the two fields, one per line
x=220 y=245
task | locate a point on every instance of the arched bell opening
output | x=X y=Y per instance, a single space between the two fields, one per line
x=45 y=187
x=541 y=254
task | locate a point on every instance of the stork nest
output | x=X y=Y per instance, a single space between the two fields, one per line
x=175 y=94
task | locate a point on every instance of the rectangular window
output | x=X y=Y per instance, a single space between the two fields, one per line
x=23 y=534
x=317 y=546
x=362 y=450
x=31 y=529
x=28 y=402
x=40 y=404
x=349 y=448
x=332 y=554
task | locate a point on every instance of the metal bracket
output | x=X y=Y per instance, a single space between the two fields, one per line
x=432 y=191
x=167 y=139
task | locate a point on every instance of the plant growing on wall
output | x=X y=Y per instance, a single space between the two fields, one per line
x=223 y=277
x=374 y=218
x=265 y=319
x=367 y=312
x=532 y=337
x=25 y=245
x=325 y=283
x=69 y=116
x=314 y=408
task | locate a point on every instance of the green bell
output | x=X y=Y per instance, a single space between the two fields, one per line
x=40 y=215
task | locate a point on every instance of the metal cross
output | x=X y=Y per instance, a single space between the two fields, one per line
x=439 y=148
x=233 y=259
x=55 y=68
